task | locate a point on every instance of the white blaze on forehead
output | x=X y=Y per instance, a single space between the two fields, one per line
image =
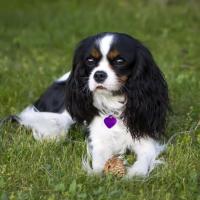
x=111 y=83
x=105 y=44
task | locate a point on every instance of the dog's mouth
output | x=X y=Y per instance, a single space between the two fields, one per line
x=100 y=87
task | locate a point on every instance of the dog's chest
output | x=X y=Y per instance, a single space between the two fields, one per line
x=117 y=138
x=109 y=104
x=108 y=129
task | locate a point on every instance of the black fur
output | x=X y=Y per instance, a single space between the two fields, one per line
x=147 y=97
x=78 y=99
x=145 y=89
x=53 y=99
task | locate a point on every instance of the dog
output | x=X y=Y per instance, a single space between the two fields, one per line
x=117 y=91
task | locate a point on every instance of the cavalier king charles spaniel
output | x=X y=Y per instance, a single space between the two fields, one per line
x=117 y=91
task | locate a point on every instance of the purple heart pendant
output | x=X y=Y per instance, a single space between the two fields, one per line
x=110 y=121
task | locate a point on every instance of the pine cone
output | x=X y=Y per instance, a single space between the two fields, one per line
x=115 y=166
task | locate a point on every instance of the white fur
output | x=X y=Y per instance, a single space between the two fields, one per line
x=46 y=125
x=105 y=44
x=105 y=142
x=63 y=77
x=107 y=103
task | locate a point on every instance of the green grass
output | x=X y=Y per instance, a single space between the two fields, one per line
x=37 y=39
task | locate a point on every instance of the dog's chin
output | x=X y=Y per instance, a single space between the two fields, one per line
x=100 y=89
x=103 y=90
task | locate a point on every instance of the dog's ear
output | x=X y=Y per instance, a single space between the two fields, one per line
x=78 y=99
x=147 y=97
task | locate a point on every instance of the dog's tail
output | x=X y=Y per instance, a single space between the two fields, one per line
x=9 y=118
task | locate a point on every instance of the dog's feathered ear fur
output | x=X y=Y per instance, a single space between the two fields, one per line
x=78 y=99
x=147 y=97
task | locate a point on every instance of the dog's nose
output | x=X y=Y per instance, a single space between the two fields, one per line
x=100 y=76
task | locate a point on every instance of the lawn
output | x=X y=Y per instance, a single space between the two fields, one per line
x=37 y=39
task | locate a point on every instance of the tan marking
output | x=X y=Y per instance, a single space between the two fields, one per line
x=123 y=79
x=113 y=54
x=95 y=53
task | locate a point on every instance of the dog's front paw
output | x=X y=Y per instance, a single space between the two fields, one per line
x=138 y=169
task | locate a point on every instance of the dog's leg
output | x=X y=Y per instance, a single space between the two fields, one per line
x=99 y=150
x=47 y=117
x=99 y=157
x=46 y=125
x=100 y=154
x=146 y=150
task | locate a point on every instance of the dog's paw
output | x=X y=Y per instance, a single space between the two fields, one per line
x=138 y=169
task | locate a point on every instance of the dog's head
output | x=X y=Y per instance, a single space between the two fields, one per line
x=118 y=63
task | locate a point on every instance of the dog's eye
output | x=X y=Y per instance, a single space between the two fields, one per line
x=91 y=62
x=118 y=62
